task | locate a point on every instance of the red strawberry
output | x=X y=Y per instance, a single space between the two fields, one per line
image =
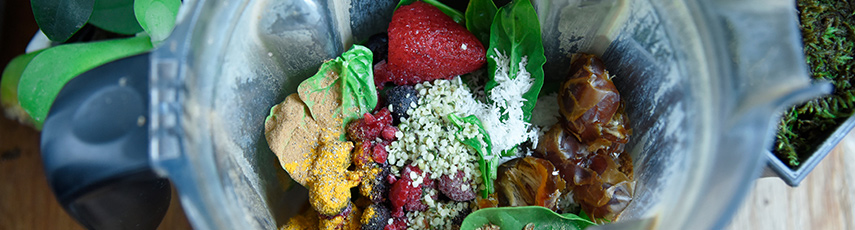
x=425 y=44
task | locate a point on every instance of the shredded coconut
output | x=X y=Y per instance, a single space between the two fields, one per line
x=507 y=129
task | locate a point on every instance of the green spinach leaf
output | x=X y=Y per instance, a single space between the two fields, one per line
x=116 y=16
x=48 y=72
x=519 y=217
x=451 y=12
x=349 y=75
x=59 y=19
x=479 y=18
x=157 y=17
x=487 y=163
x=516 y=33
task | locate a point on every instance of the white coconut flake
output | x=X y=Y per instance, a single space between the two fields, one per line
x=507 y=96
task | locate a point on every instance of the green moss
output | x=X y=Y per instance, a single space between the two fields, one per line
x=829 y=39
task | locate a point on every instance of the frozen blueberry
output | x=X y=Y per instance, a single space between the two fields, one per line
x=379 y=46
x=375 y=217
x=400 y=98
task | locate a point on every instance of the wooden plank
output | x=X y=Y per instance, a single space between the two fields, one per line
x=824 y=200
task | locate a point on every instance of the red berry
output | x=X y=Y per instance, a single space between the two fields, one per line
x=397 y=224
x=382 y=74
x=379 y=153
x=391 y=179
x=405 y=194
x=362 y=153
x=389 y=133
x=426 y=44
x=451 y=187
x=369 y=119
x=384 y=117
x=370 y=126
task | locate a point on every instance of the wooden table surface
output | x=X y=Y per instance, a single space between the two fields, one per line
x=824 y=200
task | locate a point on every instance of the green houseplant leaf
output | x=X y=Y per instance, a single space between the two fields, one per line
x=516 y=33
x=451 y=12
x=9 y=86
x=116 y=16
x=59 y=19
x=479 y=18
x=157 y=17
x=48 y=72
x=519 y=217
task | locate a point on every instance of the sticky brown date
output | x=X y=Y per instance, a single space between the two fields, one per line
x=587 y=145
x=529 y=181
x=588 y=101
x=601 y=181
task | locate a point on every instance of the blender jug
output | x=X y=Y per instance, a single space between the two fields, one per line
x=702 y=81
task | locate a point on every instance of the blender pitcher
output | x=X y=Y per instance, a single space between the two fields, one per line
x=703 y=82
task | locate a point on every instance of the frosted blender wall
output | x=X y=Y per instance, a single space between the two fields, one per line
x=688 y=73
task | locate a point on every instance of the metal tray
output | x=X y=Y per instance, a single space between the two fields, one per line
x=776 y=167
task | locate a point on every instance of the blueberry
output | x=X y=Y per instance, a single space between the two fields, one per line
x=380 y=218
x=379 y=46
x=400 y=98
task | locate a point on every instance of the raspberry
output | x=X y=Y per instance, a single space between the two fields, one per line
x=400 y=194
x=369 y=127
x=397 y=224
x=391 y=179
x=382 y=74
x=379 y=153
x=404 y=194
x=426 y=186
x=388 y=133
x=369 y=118
x=361 y=156
x=452 y=187
x=384 y=118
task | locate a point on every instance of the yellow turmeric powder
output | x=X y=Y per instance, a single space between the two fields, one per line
x=330 y=181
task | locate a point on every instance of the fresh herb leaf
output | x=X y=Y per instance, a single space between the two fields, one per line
x=519 y=217
x=359 y=95
x=479 y=18
x=516 y=32
x=48 y=72
x=157 y=17
x=9 y=87
x=347 y=82
x=59 y=19
x=584 y=215
x=487 y=162
x=451 y=12
x=116 y=16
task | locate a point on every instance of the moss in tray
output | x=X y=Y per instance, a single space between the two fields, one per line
x=828 y=30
